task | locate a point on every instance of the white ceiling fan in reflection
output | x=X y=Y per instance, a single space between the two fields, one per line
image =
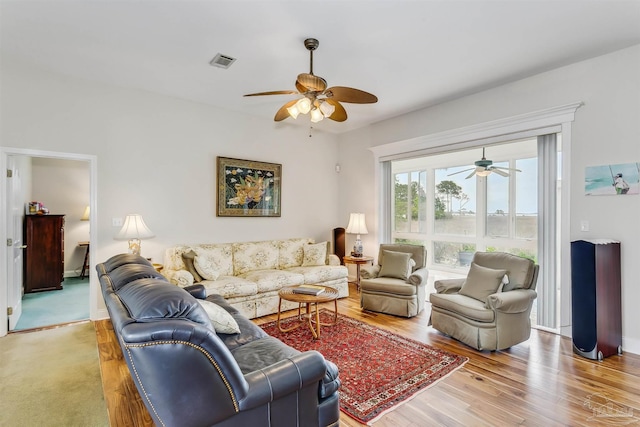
x=484 y=167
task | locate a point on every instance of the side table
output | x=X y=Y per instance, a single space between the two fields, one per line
x=328 y=294
x=85 y=263
x=358 y=261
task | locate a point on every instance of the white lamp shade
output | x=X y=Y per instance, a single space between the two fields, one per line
x=85 y=215
x=304 y=105
x=316 y=115
x=357 y=224
x=327 y=109
x=134 y=228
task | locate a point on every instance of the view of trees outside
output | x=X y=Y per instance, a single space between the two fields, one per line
x=410 y=201
x=509 y=225
x=527 y=199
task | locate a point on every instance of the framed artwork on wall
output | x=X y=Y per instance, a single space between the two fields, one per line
x=606 y=180
x=248 y=188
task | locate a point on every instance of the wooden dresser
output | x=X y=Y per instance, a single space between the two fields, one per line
x=44 y=254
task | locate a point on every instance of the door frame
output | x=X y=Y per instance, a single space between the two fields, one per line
x=5 y=152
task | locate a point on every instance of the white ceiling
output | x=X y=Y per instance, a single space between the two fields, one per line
x=411 y=54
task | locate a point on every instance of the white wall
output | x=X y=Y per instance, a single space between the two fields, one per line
x=63 y=187
x=606 y=130
x=156 y=156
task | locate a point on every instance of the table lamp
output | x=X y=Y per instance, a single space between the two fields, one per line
x=357 y=226
x=85 y=215
x=134 y=230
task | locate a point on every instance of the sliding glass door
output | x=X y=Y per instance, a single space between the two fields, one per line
x=455 y=207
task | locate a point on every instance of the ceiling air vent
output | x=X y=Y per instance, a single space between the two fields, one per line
x=222 y=61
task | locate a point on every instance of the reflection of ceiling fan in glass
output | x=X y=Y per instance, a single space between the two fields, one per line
x=484 y=167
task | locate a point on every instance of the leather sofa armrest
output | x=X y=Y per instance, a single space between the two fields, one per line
x=448 y=286
x=198 y=291
x=283 y=378
x=515 y=301
x=419 y=277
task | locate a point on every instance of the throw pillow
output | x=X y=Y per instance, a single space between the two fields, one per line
x=482 y=282
x=204 y=264
x=222 y=321
x=395 y=265
x=188 y=258
x=314 y=254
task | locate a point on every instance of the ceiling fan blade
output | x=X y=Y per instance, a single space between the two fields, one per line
x=505 y=169
x=465 y=170
x=311 y=83
x=351 y=95
x=339 y=114
x=471 y=174
x=282 y=112
x=499 y=172
x=274 y=92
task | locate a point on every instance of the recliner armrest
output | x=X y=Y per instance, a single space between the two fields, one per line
x=283 y=378
x=198 y=291
x=369 y=271
x=419 y=277
x=448 y=286
x=515 y=301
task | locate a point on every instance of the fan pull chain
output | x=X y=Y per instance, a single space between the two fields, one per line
x=310 y=129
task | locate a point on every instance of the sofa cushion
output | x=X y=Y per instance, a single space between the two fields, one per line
x=254 y=256
x=520 y=270
x=151 y=299
x=321 y=274
x=467 y=307
x=127 y=273
x=216 y=260
x=395 y=265
x=314 y=254
x=272 y=280
x=290 y=252
x=482 y=282
x=230 y=287
x=221 y=320
x=418 y=252
x=388 y=285
x=188 y=258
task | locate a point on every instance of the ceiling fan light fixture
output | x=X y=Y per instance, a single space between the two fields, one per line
x=304 y=105
x=293 y=111
x=316 y=115
x=485 y=172
x=327 y=109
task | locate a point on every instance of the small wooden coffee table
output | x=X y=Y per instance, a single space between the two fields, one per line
x=327 y=295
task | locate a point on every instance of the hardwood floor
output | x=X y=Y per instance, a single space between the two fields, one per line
x=536 y=383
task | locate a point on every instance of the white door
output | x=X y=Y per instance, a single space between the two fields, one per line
x=15 y=215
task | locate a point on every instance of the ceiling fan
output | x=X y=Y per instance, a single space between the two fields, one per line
x=484 y=167
x=317 y=99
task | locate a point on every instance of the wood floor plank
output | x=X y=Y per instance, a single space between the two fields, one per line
x=537 y=383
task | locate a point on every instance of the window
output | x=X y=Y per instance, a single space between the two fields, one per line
x=460 y=212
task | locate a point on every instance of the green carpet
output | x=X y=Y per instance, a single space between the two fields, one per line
x=52 y=378
x=69 y=304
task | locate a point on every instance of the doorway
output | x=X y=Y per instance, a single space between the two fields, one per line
x=64 y=184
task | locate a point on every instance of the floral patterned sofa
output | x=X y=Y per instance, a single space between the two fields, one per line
x=250 y=274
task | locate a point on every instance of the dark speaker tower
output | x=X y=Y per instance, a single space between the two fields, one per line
x=338 y=243
x=596 y=305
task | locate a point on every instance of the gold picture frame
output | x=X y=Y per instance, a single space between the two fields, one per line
x=248 y=188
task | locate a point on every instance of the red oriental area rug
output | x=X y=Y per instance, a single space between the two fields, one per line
x=378 y=369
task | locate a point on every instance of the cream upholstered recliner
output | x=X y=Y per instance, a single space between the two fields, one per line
x=490 y=309
x=397 y=285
